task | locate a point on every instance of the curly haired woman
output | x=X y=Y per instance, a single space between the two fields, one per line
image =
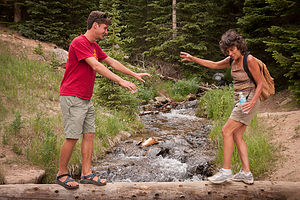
x=234 y=46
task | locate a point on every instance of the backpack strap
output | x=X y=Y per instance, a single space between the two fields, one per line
x=245 y=65
x=230 y=61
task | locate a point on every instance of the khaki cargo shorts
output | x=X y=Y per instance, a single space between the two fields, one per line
x=238 y=115
x=78 y=116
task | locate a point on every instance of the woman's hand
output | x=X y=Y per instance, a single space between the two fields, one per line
x=186 y=56
x=247 y=107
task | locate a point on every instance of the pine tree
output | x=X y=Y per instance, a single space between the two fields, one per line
x=56 y=21
x=258 y=17
x=201 y=26
x=134 y=17
x=284 y=43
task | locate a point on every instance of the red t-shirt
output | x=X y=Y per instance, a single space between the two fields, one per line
x=79 y=77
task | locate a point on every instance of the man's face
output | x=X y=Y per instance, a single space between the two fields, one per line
x=101 y=31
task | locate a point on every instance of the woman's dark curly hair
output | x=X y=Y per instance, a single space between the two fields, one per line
x=232 y=38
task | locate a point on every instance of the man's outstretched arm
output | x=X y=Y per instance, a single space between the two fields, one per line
x=121 y=68
x=104 y=71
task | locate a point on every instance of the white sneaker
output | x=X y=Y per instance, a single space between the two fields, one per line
x=220 y=177
x=242 y=177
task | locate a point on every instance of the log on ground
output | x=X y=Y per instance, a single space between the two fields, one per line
x=156 y=190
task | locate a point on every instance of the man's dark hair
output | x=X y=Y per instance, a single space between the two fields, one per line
x=232 y=38
x=98 y=17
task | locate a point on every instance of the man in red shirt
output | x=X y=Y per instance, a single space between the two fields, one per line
x=75 y=96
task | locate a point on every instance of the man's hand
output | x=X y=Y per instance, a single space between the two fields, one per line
x=140 y=75
x=126 y=84
x=186 y=56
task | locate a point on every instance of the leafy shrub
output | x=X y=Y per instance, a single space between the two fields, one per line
x=17 y=150
x=16 y=125
x=111 y=95
x=145 y=94
x=184 y=87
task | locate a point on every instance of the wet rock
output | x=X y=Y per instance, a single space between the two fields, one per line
x=191 y=97
x=188 y=104
x=163 y=152
x=162 y=100
x=118 y=138
x=153 y=152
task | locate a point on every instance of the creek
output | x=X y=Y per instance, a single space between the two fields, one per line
x=183 y=150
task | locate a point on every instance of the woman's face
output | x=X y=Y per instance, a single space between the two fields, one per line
x=233 y=52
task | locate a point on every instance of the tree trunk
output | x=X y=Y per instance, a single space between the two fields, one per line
x=17 y=12
x=159 y=190
x=174 y=26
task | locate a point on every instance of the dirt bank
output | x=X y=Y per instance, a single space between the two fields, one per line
x=281 y=118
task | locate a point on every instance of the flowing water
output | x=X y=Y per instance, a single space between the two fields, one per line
x=183 y=151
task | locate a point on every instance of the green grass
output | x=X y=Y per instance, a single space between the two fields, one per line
x=217 y=105
x=23 y=80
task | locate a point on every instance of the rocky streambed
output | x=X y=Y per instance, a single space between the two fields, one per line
x=174 y=146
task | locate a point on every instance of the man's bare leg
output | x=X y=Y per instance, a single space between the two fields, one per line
x=86 y=154
x=65 y=155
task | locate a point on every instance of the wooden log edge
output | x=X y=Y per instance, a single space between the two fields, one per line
x=156 y=190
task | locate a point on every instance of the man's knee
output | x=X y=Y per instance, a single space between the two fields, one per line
x=71 y=140
x=88 y=135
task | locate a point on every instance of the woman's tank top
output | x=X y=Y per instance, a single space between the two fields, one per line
x=242 y=83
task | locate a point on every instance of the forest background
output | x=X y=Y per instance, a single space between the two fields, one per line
x=151 y=33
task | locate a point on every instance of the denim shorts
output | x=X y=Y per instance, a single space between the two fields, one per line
x=78 y=116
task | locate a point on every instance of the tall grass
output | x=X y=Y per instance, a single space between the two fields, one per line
x=217 y=105
x=22 y=80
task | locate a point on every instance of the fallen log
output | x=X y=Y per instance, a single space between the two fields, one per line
x=168 y=78
x=157 y=190
x=204 y=88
